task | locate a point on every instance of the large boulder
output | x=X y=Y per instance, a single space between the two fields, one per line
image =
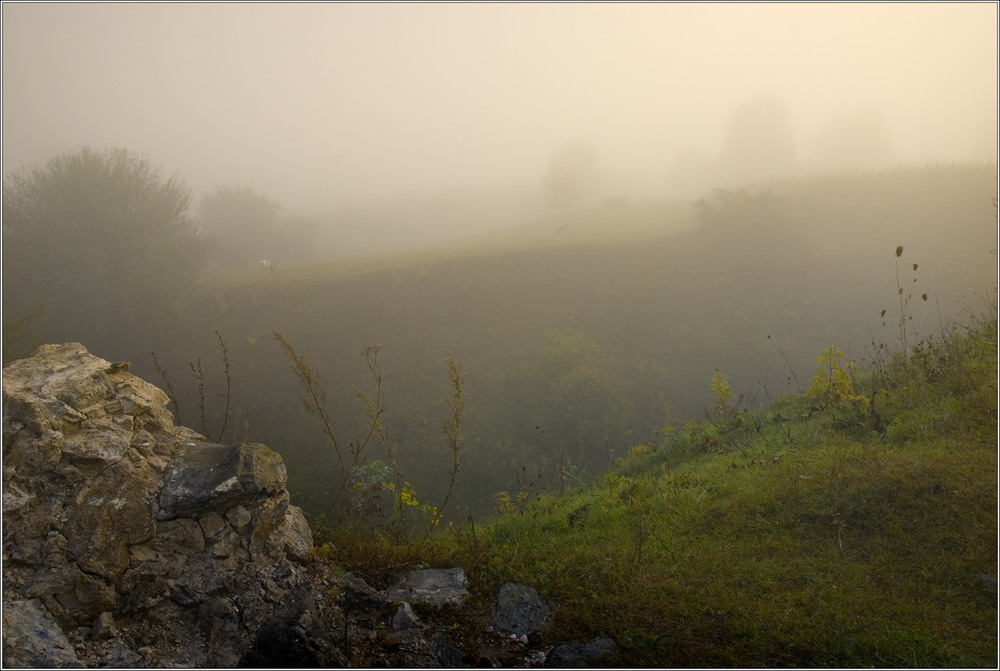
x=120 y=525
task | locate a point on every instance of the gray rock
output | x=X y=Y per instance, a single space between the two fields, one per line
x=357 y=595
x=203 y=477
x=433 y=586
x=297 y=536
x=110 y=508
x=520 y=611
x=31 y=638
x=404 y=618
x=94 y=448
x=573 y=655
x=71 y=596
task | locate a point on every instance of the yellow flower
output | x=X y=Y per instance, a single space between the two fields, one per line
x=407 y=496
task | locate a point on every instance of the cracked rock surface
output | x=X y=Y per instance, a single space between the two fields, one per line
x=138 y=539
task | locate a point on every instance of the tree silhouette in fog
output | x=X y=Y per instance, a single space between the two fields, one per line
x=245 y=226
x=241 y=223
x=103 y=241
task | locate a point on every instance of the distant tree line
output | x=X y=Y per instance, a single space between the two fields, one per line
x=100 y=247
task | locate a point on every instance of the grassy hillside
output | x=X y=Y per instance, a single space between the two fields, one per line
x=581 y=343
x=821 y=531
x=651 y=369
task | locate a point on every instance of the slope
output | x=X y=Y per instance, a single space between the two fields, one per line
x=815 y=533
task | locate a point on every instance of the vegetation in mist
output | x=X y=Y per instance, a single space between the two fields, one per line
x=100 y=247
x=582 y=343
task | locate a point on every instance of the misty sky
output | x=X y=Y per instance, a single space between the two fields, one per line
x=320 y=104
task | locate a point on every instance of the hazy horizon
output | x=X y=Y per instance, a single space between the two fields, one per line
x=321 y=106
x=527 y=189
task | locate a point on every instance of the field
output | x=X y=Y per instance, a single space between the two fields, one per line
x=581 y=343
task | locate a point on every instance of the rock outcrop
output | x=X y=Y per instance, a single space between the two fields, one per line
x=131 y=542
x=120 y=527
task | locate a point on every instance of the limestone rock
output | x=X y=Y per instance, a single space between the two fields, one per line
x=131 y=542
x=204 y=478
x=32 y=639
x=121 y=526
x=296 y=535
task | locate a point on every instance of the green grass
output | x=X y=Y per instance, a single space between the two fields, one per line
x=779 y=538
x=660 y=297
x=806 y=532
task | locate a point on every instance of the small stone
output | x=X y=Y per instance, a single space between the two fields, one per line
x=238 y=516
x=434 y=586
x=104 y=626
x=535 y=660
x=404 y=618
x=520 y=611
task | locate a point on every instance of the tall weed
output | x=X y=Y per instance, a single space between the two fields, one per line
x=363 y=481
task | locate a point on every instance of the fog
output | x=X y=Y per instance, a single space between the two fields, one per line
x=634 y=197
x=325 y=106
